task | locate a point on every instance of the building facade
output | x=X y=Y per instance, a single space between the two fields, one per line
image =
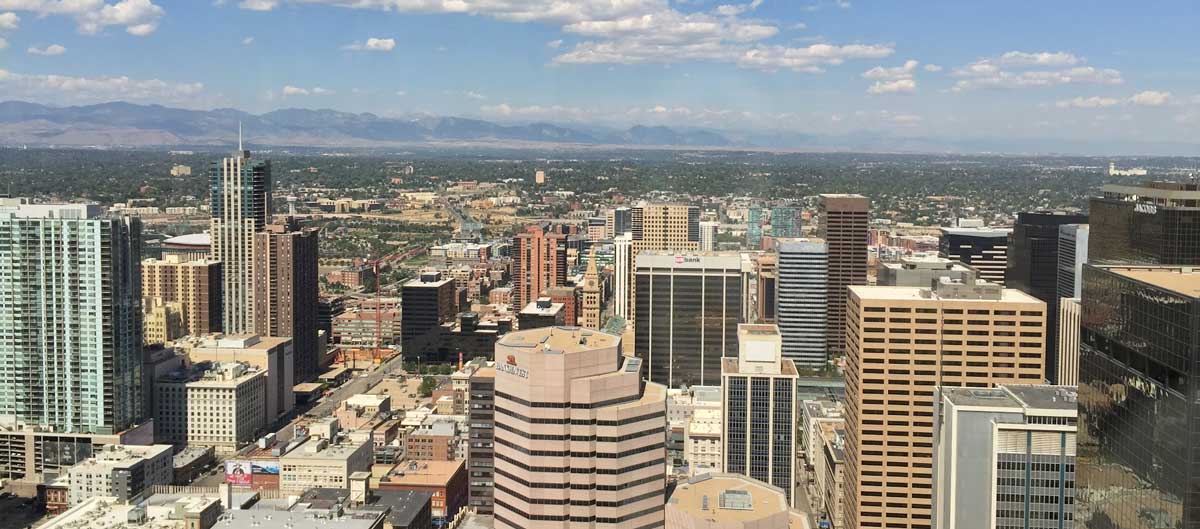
x=1140 y=343
x=123 y=472
x=622 y=279
x=844 y=225
x=758 y=404
x=240 y=199
x=481 y=448
x=591 y=310
x=801 y=300
x=580 y=437
x=427 y=302
x=285 y=291
x=689 y=307
x=226 y=407
x=1152 y=223
x=1004 y=457
x=194 y=284
x=319 y=464
x=766 y=277
x=985 y=249
x=70 y=318
x=708 y=235
x=1072 y=255
x=1069 y=312
x=539 y=262
x=903 y=342
x=660 y=227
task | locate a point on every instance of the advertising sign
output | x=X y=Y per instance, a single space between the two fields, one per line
x=269 y=468
x=238 y=473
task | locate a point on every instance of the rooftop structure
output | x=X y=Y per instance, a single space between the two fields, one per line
x=730 y=501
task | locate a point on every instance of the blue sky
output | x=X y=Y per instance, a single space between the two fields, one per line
x=936 y=68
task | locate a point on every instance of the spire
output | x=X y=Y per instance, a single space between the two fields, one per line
x=239 y=135
x=591 y=269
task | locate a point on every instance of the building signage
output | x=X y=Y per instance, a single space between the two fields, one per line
x=681 y=259
x=511 y=368
x=238 y=473
x=1142 y=207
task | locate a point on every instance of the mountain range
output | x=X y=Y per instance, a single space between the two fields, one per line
x=127 y=124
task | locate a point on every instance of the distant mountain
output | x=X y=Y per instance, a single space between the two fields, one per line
x=127 y=124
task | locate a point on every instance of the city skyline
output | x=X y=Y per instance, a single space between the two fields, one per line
x=825 y=68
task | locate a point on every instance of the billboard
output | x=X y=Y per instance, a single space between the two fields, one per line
x=270 y=468
x=238 y=473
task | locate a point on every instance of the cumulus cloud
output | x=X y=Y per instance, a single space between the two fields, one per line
x=248 y=41
x=138 y=17
x=1087 y=102
x=259 y=5
x=1150 y=98
x=933 y=68
x=899 y=86
x=323 y=91
x=1017 y=69
x=890 y=74
x=9 y=21
x=70 y=89
x=372 y=44
x=289 y=90
x=555 y=44
x=53 y=49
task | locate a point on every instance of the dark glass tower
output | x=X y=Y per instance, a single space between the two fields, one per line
x=1139 y=416
x=1033 y=268
x=1154 y=223
x=986 y=249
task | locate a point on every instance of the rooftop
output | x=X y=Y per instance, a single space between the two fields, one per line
x=423 y=473
x=259 y=519
x=52 y=211
x=978 y=232
x=1015 y=397
x=535 y=308
x=706 y=490
x=191 y=239
x=331 y=452
x=1181 y=280
x=559 y=340
x=888 y=293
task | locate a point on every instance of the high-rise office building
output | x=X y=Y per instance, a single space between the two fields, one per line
x=766 y=273
x=802 y=300
x=580 y=438
x=754 y=233
x=922 y=272
x=622 y=290
x=708 y=235
x=427 y=302
x=1032 y=267
x=71 y=327
x=1069 y=312
x=539 y=263
x=285 y=291
x=1072 y=255
x=1137 y=373
x=844 y=224
x=481 y=401
x=986 y=249
x=904 y=342
x=240 y=198
x=660 y=227
x=617 y=221
x=785 y=222
x=758 y=404
x=1152 y=223
x=1004 y=457
x=194 y=284
x=689 y=307
x=590 y=310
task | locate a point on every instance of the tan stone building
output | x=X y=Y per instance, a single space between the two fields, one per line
x=903 y=342
x=662 y=227
x=590 y=308
x=227 y=407
x=161 y=322
x=578 y=433
x=317 y=463
x=195 y=285
x=271 y=354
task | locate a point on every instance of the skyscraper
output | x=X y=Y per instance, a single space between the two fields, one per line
x=986 y=249
x=622 y=291
x=194 y=284
x=539 y=263
x=1069 y=312
x=661 y=227
x=1072 y=255
x=802 y=300
x=1032 y=267
x=1138 y=367
x=240 y=197
x=1154 y=223
x=427 y=302
x=689 y=307
x=759 y=407
x=285 y=291
x=590 y=309
x=754 y=233
x=844 y=224
x=708 y=235
x=1004 y=457
x=904 y=342
x=617 y=221
x=71 y=328
x=580 y=438
x=785 y=222
x=766 y=272
x=481 y=453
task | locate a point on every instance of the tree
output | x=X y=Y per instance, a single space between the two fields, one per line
x=428 y=384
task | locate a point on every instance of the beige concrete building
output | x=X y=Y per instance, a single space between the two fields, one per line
x=579 y=435
x=194 y=284
x=591 y=305
x=1069 y=312
x=702 y=442
x=272 y=354
x=226 y=407
x=124 y=472
x=903 y=342
x=161 y=322
x=317 y=463
x=759 y=406
x=662 y=227
x=731 y=501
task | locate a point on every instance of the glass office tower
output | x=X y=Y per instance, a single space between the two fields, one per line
x=1152 y=223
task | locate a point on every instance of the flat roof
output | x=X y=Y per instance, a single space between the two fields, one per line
x=532 y=309
x=787 y=366
x=878 y=293
x=332 y=452
x=191 y=239
x=422 y=473
x=559 y=339
x=1016 y=397
x=1181 y=280
x=689 y=497
x=978 y=232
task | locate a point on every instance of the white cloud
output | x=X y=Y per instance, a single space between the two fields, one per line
x=1087 y=102
x=401 y=93
x=372 y=44
x=474 y=95
x=63 y=88
x=259 y=5
x=289 y=90
x=9 y=21
x=138 y=17
x=323 y=91
x=248 y=41
x=3 y=44
x=899 y=86
x=1017 y=69
x=890 y=74
x=1150 y=98
x=53 y=49
x=933 y=68
x=554 y=44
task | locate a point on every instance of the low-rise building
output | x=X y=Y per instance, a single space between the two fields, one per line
x=123 y=472
x=317 y=463
x=108 y=512
x=357 y=328
x=541 y=313
x=702 y=442
x=434 y=440
x=274 y=355
x=446 y=480
x=226 y=407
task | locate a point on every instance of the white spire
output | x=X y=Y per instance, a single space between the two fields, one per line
x=239 y=135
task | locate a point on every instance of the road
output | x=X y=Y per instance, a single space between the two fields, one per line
x=356 y=385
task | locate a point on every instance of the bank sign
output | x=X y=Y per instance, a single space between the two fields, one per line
x=1142 y=207
x=511 y=368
